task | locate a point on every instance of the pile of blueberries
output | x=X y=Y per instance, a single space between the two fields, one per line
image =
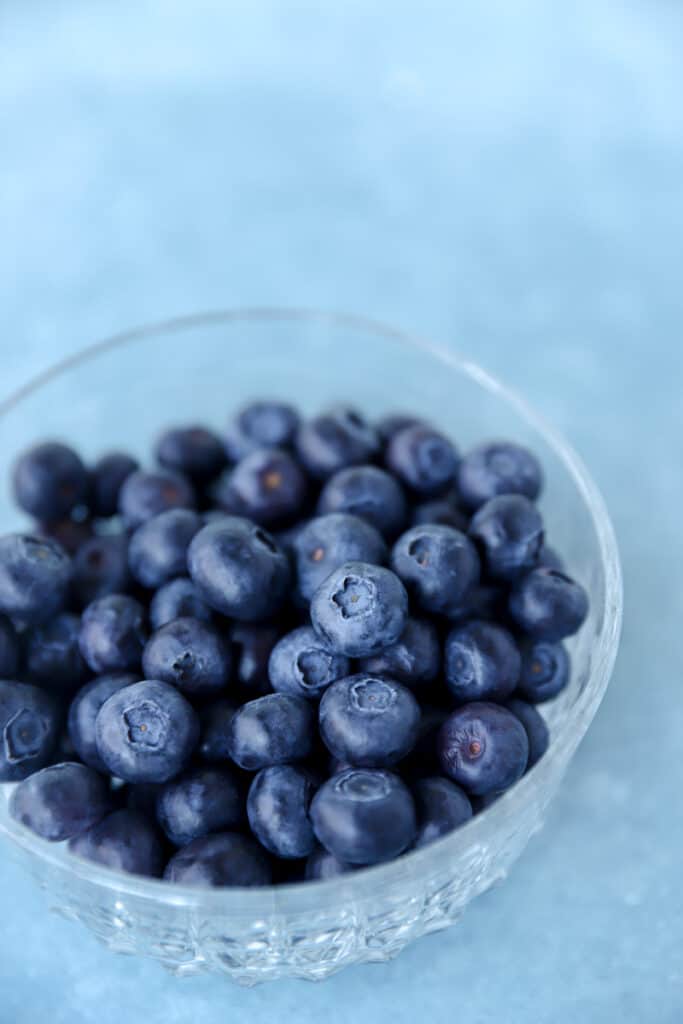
x=303 y=647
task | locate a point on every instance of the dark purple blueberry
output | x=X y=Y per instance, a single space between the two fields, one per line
x=262 y=424
x=125 y=841
x=277 y=808
x=100 y=568
x=423 y=459
x=113 y=634
x=267 y=486
x=188 y=654
x=498 y=467
x=52 y=654
x=321 y=866
x=194 y=451
x=368 y=722
x=394 y=422
x=10 y=649
x=360 y=609
x=334 y=440
x=215 y=719
x=107 y=477
x=201 y=801
x=252 y=646
x=481 y=662
x=364 y=817
x=534 y=724
x=239 y=569
x=219 y=860
x=483 y=747
x=548 y=605
x=441 y=807
x=545 y=671
x=142 y=797
x=275 y=729
x=146 y=494
x=368 y=492
x=302 y=664
x=34 y=577
x=489 y=601
x=509 y=532
x=438 y=565
x=49 y=481
x=70 y=533
x=158 y=549
x=415 y=658
x=444 y=511
x=83 y=713
x=178 y=599
x=327 y=542
x=61 y=801
x=146 y=732
x=30 y=723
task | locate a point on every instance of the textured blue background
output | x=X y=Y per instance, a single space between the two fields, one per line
x=505 y=177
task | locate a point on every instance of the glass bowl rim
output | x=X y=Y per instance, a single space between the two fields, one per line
x=363 y=884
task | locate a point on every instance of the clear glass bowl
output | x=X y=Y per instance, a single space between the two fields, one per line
x=120 y=392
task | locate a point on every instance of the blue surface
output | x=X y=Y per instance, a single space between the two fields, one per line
x=507 y=178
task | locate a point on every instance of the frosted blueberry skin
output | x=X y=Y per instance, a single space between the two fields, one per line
x=277 y=807
x=215 y=719
x=83 y=713
x=368 y=722
x=481 y=662
x=10 y=649
x=327 y=542
x=368 y=492
x=483 y=747
x=509 y=533
x=145 y=494
x=439 y=566
x=113 y=634
x=201 y=801
x=146 y=732
x=158 y=548
x=177 y=599
x=335 y=439
x=34 y=577
x=548 y=605
x=30 y=723
x=189 y=654
x=226 y=858
x=100 y=568
x=52 y=655
x=193 y=451
x=545 y=671
x=423 y=459
x=364 y=816
x=107 y=477
x=267 y=486
x=534 y=724
x=322 y=865
x=61 y=801
x=271 y=730
x=49 y=481
x=441 y=807
x=498 y=467
x=261 y=424
x=125 y=841
x=360 y=609
x=415 y=658
x=238 y=569
x=301 y=664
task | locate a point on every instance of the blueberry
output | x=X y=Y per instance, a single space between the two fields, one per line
x=146 y=494
x=489 y=601
x=83 y=713
x=70 y=533
x=189 y=654
x=252 y=646
x=125 y=841
x=364 y=817
x=481 y=662
x=267 y=486
x=52 y=654
x=30 y=723
x=49 y=480
x=218 y=860
x=535 y=727
x=423 y=459
x=201 y=801
x=545 y=671
x=107 y=477
x=368 y=722
x=334 y=440
x=100 y=568
x=548 y=605
x=441 y=807
x=215 y=719
x=439 y=566
x=274 y=729
x=413 y=660
x=368 y=492
x=327 y=542
x=483 y=748
x=239 y=569
x=195 y=452
x=498 y=467
x=61 y=801
x=301 y=664
x=268 y=424
x=34 y=577
x=322 y=865
x=113 y=634
x=509 y=531
x=158 y=549
x=394 y=422
x=548 y=558
x=360 y=609
x=177 y=599
x=444 y=511
x=146 y=732
x=10 y=649
x=277 y=808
